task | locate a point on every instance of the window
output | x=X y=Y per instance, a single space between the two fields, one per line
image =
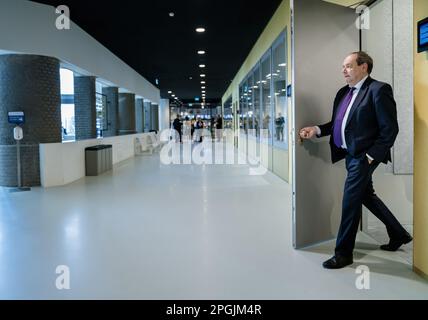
x=245 y=106
x=101 y=113
x=266 y=112
x=256 y=99
x=280 y=93
x=263 y=96
x=241 y=107
x=67 y=105
x=228 y=114
x=263 y=105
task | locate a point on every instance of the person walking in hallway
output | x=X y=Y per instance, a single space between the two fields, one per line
x=177 y=125
x=362 y=131
x=219 y=128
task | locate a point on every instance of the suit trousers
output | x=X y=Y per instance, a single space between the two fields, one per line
x=359 y=191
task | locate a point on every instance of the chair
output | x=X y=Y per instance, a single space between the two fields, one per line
x=143 y=145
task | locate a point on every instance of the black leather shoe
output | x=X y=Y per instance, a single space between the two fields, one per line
x=393 y=245
x=338 y=262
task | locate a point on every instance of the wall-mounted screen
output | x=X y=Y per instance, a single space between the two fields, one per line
x=423 y=35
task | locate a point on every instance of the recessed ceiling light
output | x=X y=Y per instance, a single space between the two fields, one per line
x=200 y=29
x=203 y=91
x=190 y=78
x=202 y=87
x=169 y=92
x=201 y=52
x=173 y=95
x=202 y=75
x=201 y=66
x=171 y=14
x=202 y=82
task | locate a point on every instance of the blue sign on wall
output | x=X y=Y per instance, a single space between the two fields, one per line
x=16 y=117
x=423 y=35
x=289 y=90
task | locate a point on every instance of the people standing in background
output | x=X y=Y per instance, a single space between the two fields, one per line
x=266 y=121
x=187 y=129
x=279 y=127
x=199 y=130
x=192 y=127
x=219 y=127
x=212 y=126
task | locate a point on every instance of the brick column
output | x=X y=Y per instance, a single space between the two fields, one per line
x=112 y=94
x=28 y=83
x=84 y=107
x=126 y=113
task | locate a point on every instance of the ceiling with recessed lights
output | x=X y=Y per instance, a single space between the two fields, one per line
x=159 y=39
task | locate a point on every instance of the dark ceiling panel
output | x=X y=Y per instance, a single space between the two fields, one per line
x=143 y=35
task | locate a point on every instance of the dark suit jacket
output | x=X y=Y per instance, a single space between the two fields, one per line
x=371 y=126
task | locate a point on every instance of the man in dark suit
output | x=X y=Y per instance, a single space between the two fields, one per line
x=177 y=125
x=362 y=130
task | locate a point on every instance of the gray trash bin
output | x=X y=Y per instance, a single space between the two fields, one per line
x=98 y=159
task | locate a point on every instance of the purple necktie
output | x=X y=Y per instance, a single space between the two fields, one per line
x=337 y=128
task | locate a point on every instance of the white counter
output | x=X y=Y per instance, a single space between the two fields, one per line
x=63 y=163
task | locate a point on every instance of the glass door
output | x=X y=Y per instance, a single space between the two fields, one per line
x=278 y=79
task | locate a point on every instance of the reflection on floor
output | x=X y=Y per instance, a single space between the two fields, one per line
x=379 y=234
x=153 y=231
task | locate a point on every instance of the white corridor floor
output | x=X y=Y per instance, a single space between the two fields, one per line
x=152 y=231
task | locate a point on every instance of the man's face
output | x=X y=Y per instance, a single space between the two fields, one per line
x=352 y=72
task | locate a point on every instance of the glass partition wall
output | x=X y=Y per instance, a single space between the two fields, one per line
x=256 y=101
x=267 y=107
x=280 y=105
x=264 y=105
